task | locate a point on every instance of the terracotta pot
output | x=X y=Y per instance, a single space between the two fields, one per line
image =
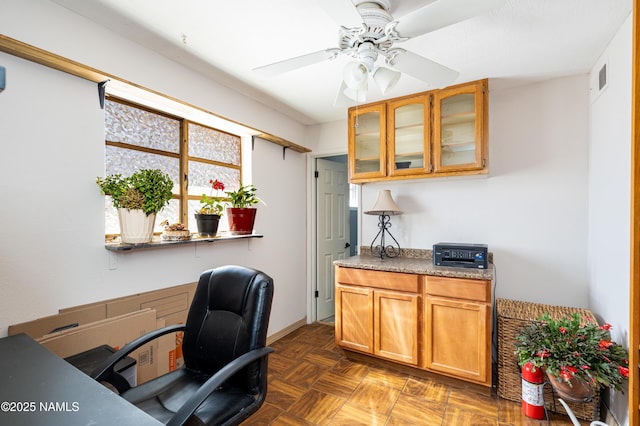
x=207 y=224
x=135 y=226
x=575 y=390
x=241 y=220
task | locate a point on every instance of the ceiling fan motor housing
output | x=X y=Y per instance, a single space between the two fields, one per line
x=375 y=13
x=366 y=42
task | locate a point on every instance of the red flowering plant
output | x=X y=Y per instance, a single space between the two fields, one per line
x=567 y=348
x=213 y=204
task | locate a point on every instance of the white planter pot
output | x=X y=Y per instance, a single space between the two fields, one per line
x=135 y=226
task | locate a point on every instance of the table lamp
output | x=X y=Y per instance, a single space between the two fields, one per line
x=384 y=208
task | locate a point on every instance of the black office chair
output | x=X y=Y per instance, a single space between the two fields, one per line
x=224 y=377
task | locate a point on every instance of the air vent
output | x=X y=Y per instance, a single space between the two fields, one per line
x=602 y=77
x=599 y=78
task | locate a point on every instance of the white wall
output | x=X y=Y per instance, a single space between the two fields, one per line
x=52 y=251
x=53 y=28
x=609 y=196
x=530 y=210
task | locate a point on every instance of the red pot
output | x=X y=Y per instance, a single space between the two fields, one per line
x=575 y=390
x=241 y=220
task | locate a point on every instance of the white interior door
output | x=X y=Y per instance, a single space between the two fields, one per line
x=332 y=230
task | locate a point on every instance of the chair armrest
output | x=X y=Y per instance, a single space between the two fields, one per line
x=105 y=370
x=192 y=404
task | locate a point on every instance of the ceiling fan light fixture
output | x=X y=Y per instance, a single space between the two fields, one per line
x=386 y=78
x=357 y=94
x=355 y=76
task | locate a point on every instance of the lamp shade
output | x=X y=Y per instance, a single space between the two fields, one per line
x=385 y=78
x=359 y=95
x=384 y=204
x=355 y=75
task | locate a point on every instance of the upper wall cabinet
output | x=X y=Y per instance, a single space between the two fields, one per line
x=408 y=128
x=367 y=142
x=459 y=128
x=437 y=133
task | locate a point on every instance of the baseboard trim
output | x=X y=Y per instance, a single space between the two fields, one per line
x=287 y=330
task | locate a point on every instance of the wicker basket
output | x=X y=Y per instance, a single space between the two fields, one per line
x=512 y=316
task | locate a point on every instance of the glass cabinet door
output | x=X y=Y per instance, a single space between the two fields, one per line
x=458 y=134
x=367 y=141
x=408 y=144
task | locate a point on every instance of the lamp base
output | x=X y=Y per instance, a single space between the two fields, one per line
x=383 y=249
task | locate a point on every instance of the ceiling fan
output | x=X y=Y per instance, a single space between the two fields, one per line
x=371 y=33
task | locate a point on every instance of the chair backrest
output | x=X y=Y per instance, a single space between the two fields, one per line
x=228 y=317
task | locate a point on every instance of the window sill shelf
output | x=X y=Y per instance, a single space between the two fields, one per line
x=157 y=242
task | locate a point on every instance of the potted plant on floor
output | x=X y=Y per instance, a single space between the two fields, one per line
x=138 y=198
x=577 y=356
x=211 y=207
x=242 y=213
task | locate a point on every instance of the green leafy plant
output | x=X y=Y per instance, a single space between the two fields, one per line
x=567 y=349
x=147 y=189
x=243 y=197
x=212 y=204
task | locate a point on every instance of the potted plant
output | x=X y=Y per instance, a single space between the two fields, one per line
x=138 y=198
x=577 y=358
x=211 y=207
x=242 y=214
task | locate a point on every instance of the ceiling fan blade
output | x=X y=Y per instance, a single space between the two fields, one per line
x=271 y=70
x=424 y=69
x=343 y=12
x=442 y=13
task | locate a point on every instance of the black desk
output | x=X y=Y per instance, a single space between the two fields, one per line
x=39 y=388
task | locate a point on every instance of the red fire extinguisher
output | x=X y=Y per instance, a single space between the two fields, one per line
x=532 y=392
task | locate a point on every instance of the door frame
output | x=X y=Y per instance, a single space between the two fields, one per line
x=312 y=208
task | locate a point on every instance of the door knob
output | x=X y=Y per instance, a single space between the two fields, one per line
x=347 y=245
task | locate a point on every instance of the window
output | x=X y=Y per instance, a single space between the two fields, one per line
x=138 y=137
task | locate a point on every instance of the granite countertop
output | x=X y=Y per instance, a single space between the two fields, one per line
x=413 y=261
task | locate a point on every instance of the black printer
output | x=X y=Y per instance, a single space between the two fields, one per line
x=461 y=255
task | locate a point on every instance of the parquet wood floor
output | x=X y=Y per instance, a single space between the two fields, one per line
x=311 y=382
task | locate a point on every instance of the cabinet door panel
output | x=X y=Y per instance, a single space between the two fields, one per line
x=367 y=147
x=458 y=339
x=408 y=136
x=396 y=318
x=354 y=318
x=459 y=128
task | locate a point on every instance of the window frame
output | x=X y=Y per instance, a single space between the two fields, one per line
x=182 y=155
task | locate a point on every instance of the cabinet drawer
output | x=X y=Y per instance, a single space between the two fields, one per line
x=379 y=279
x=459 y=288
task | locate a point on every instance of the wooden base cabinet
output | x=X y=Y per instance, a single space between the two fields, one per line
x=395 y=333
x=377 y=313
x=456 y=339
x=433 y=323
x=354 y=318
x=458 y=328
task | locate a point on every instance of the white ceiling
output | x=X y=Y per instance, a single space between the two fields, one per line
x=521 y=41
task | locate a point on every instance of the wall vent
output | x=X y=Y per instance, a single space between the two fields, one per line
x=602 y=77
x=599 y=78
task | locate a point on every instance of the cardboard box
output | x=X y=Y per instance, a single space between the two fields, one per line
x=169 y=351
x=171 y=306
x=46 y=325
x=171 y=303
x=115 y=332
